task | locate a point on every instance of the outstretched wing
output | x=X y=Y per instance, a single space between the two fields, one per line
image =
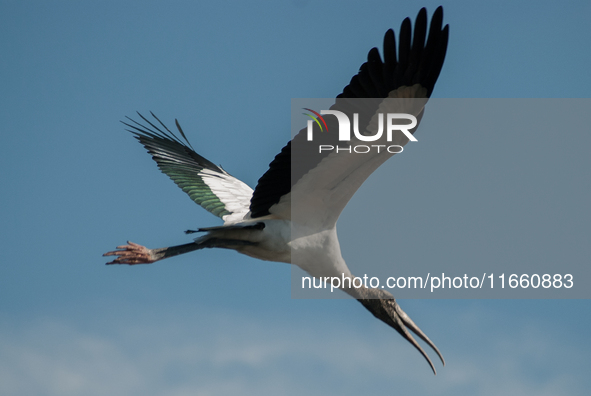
x=325 y=182
x=206 y=183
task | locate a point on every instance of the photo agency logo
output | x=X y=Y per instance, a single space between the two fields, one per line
x=394 y=122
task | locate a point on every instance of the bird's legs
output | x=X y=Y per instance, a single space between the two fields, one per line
x=384 y=307
x=132 y=253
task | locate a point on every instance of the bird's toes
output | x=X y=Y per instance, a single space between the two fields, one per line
x=131 y=254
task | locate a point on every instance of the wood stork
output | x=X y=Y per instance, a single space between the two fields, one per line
x=295 y=206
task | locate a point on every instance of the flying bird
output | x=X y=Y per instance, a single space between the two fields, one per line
x=292 y=213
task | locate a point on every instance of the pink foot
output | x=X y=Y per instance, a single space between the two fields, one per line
x=132 y=254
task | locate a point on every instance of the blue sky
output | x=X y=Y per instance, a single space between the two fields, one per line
x=75 y=185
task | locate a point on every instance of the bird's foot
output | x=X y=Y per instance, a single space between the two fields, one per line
x=132 y=254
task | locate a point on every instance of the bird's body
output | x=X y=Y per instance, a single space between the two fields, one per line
x=291 y=215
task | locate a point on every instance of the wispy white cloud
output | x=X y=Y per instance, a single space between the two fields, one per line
x=220 y=355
